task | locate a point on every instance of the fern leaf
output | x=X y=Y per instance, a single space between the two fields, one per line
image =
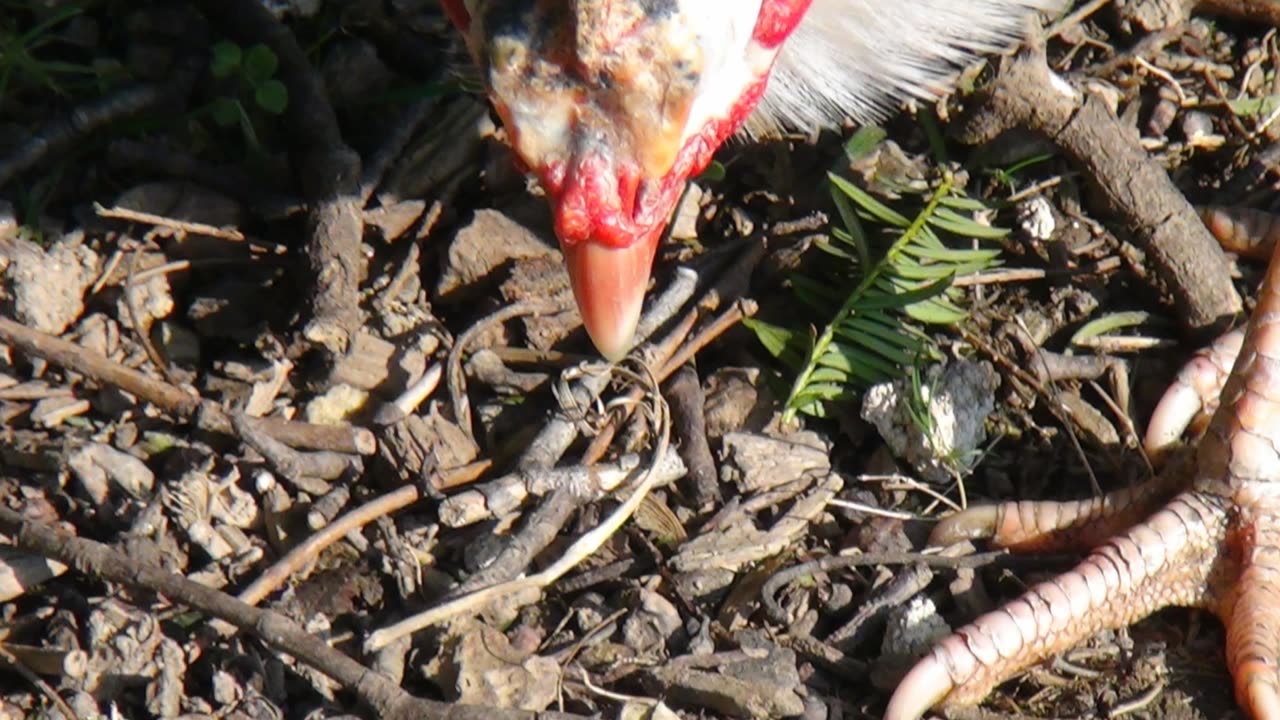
x=874 y=331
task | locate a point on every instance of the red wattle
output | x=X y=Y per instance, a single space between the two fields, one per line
x=596 y=200
x=778 y=18
x=589 y=202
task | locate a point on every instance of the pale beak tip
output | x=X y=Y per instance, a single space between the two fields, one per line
x=609 y=284
x=613 y=337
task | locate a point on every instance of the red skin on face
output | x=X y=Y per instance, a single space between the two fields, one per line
x=609 y=213
x=778 y=19
x=596 y=198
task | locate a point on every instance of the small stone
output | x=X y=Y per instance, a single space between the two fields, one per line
x=758 y=462
x=336 y=405
x=226 y=689
x=913 y=628
x=651 y=625
x=590 y=611
x=9 y=226
x=684 y=226
x=44 y=288
x=1035 y=217
x=177 y=343
x=765 y=684
x=99 y=468
x=957 y=398
x=489 y=242
x=394 y=220
x=53 y=411
x=491 y=673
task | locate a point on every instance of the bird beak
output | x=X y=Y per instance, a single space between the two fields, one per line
x=609 y=284
x=596 y=97
x=609 y=217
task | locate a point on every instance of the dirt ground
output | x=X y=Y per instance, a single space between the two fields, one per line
x=292 y=387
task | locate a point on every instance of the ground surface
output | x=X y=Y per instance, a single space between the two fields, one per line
x=284 y=301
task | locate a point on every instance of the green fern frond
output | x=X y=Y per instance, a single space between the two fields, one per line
x=875 y=331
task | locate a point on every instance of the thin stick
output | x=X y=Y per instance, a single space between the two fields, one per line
x=182 y=226
x=457 y=380
x=575 y=554
x=298 y=557
x=44 y=687
x=730 y=317
x=305 y=551
x=174 y=400
x=384 y=697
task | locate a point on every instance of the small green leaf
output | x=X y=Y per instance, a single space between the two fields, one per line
x=853 y=234
x=226 y=59
x=896 y=296
x=829 y=375
x=890 y=353
x=963 y=203
x=954 y=256
x=900 y=336
x=790 y=346
x=864 y=366
x=775 y=339
x=815 y=408
x=188 y=620
x=826 y=246
x=877 y=209
x=936 y=311
x=821 y=293
x=715 y=172
x=260 y=64
x=865 y=140
x=825 y=392
x=1028 y=162
x=846 y=238
x=226 y=111
x=958 y=224
x=272 y=96
x=910 y=270
x=1109 y=323
x=1254 y=106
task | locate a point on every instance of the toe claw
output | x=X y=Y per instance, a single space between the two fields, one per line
x=1179 y=406
x=1259 y=697
x=1193 y=396
x=975 y=523
x=926 y=685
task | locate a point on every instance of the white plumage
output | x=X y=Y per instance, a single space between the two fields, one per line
x=613 y=104
x=858 y=58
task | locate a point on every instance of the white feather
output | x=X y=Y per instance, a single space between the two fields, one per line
x=732 y=60
x=858 y=58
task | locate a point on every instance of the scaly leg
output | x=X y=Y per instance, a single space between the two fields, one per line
x=1215 y=546
x=1193 y=397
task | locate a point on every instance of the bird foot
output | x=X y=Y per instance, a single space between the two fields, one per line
x=1205 y=533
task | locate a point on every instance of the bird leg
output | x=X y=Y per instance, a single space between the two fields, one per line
x=1193 y=397
x=1214 y=545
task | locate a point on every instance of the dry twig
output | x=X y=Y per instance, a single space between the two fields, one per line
x=381 y=695
x=207 y=415
x=575 y=554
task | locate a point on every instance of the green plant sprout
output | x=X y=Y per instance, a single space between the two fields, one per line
x=919 y=399
x=875 y=330
x=254 y=70
x=20 y=65
x=1005 y=176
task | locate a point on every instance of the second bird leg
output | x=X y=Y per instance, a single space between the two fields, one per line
x=1205 y=534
